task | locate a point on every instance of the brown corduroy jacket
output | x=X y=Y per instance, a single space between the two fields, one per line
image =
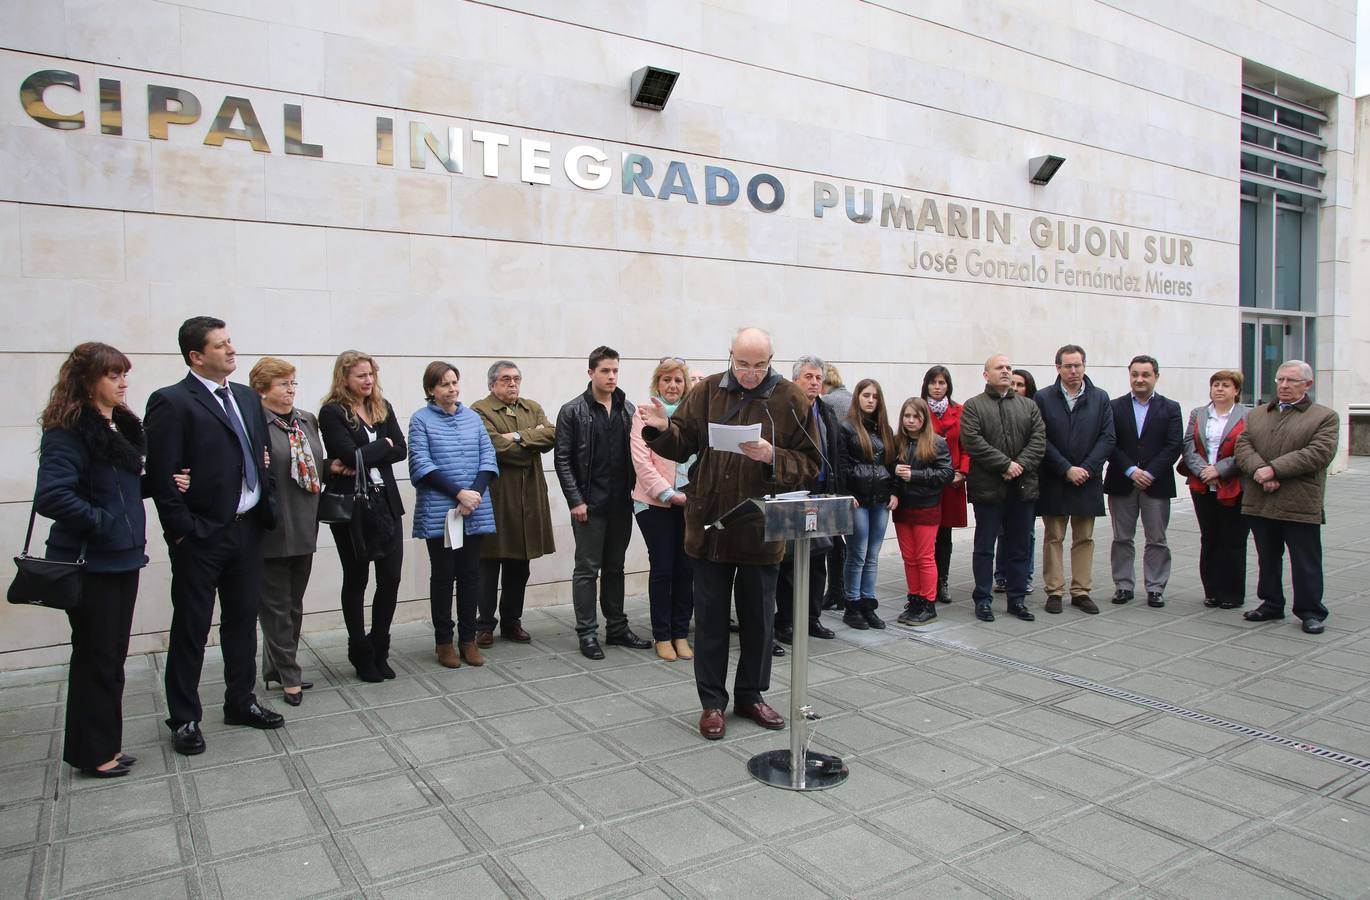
x=1299 y=443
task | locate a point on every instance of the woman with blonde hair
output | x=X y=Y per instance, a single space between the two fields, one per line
x=869 y=444
x=922 y=470
x=659 y=507
x=297 y=462
x=356 y=417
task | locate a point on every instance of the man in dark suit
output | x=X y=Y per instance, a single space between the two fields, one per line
x=217 y=431
x=1141 y=480
x=808 y=376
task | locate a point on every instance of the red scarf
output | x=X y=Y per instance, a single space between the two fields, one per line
x=1230 y=488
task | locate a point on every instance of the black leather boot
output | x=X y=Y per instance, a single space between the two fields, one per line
x=380 y=649
x=363 y=658
x=943 y=592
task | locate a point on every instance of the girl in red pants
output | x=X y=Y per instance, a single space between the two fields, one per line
x=922 y=469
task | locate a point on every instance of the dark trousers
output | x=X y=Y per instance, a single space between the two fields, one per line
x=670 y=583
x=942 y=552
x=231 y=563
x=836 y=562
x=100 y=628
x=1223 y=531
x=1014 y=518
x=784 y=588
x=457 y=567
x=601 y=545
x=356 y=574
x=718 y=587
x=510 y=603
x=1304 y=540
x=284 y=580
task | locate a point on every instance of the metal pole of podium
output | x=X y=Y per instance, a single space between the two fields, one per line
x=799 y=666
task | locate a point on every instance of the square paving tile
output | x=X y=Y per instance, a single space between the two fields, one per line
x=1290 y=765
x=349 y=761
x=1330 y=872
x=573 y=756
x=1101 y=708
x=109 y=858
x=461 y=779
x=470 y=881
x=705 y=770
x=1118 y=842
x=572 y=687
x=920 y=716
x=994 y=743
x=23 y=824
x=766 y=811
x=577 y=866
x=1187 y=735
x=1012 y=799
x=120 y=804
x=261 y=824
x=514 y=820
x=245 y=781
x=1338 y=822
x=853 y=856
x=1237 y=788
x=529 y=726
x=418 y=714
x=1214 y=878
x=409 y=845
x=503 y=698
x=1078 y=775
x=1126 y=750
x=1178 y=813
x=1029 y=869
x=927 y=762
x=608 y=712
x=660 y=834
x=373 y=799
x=869 y=786
x=660 y=736
x=939 y=825
x=619 y=793
x=752 y=877
x=323 y=731
x=305 y=871
x=445 y=742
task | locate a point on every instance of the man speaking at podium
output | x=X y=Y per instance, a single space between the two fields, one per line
x=736 y=561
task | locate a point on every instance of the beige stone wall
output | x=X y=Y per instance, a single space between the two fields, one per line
x=121 y=238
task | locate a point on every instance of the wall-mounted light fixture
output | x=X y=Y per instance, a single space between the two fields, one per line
x=651 y=87
x=1042 y=168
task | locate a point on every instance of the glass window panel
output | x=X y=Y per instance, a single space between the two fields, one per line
x=1248 y=362
x=1310 y=343
x=1288 y=258
x=1272 y=354
x=1248 y=255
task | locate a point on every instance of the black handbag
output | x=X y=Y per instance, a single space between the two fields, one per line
x=338 y=507
x=46 y=582
x=375 y=533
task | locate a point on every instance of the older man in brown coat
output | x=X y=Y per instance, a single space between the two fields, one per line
x=1284 y=454
x=523 y=519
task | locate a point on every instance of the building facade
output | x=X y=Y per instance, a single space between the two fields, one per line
x=435 y=179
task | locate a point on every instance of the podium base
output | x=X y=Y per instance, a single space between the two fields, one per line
x=820 y=772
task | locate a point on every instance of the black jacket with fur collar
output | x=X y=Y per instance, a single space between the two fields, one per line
x=90 y=485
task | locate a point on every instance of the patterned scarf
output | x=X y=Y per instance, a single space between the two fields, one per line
x=939 y=407
x=303 y=469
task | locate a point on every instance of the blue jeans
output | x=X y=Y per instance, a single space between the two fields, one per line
x=999 y=556
x=863 y=551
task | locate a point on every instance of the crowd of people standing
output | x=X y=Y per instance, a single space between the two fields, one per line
x=239 y=475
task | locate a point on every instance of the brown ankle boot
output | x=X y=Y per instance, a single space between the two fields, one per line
x=471 y=655
x=447 y=656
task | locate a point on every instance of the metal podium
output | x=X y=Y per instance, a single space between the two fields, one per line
x=799 y=519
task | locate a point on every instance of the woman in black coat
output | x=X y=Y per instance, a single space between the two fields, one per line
x=869 y=445
x=90 y=466
x=356 y=416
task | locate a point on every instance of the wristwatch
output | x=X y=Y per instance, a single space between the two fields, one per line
x=518 y=438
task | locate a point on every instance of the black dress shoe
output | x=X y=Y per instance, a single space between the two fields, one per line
x=590 y=649
x=1313 y=626
x=1263 y=614
x=1022 y=613
x=628 y=639
x=254 y=715
x=784 y=635
x=304 y=685
x=818 y=630
x=1120 y=597
x=116 y=771
x=294 y=699
x=1154 y=599
x=1211 y=602
x=1231 y=604
x=127 y=759
x=188 y=740
x=983 y=612
x=776 y=649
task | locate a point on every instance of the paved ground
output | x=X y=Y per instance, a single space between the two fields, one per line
x=546 y=775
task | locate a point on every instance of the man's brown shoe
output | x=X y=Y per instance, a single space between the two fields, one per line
x=1084 y=604
x=470 y=654
x=447 y=656
x=711 y=724
x=515 y=633
x=1053 y=604
x=485 y=639
x=761 y=714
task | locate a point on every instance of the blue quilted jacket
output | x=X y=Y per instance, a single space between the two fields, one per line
x=458 y=446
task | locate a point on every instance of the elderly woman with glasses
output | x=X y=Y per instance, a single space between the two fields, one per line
x=288 y=550
x=659 y=507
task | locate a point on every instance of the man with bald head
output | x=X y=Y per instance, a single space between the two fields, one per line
x=736 y=563
x=1284 y=453
x=1005 y=438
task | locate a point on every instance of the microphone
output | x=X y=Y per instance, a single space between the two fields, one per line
x=794 y=413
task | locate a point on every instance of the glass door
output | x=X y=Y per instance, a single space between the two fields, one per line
x=1266 y=342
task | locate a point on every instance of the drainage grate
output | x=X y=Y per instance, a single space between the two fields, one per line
x=1336 y=756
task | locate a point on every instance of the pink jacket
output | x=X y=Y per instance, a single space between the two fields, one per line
x=655 y=474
